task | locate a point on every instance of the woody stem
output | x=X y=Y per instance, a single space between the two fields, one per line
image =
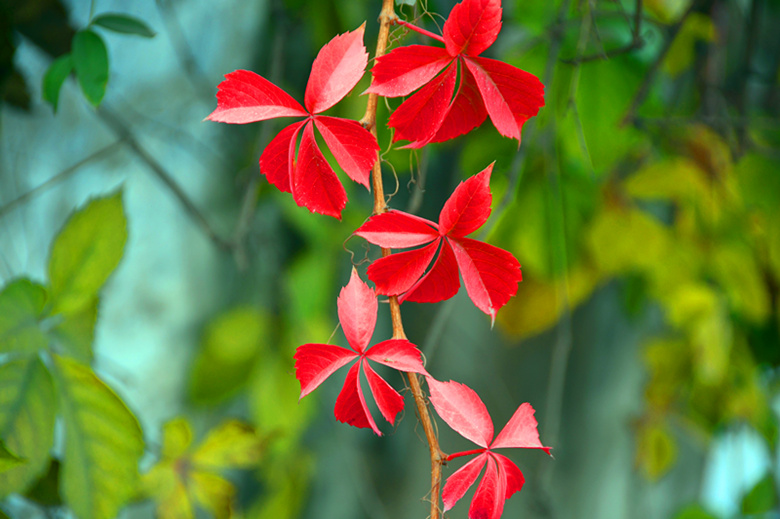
x=386 y=18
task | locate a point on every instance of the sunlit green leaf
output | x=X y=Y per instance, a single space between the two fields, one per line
x=232 y=444
x=694 y=512
x=21 y=308
x=287 y=488
x=85 y=253
x=697 y=27
x=95 y=484
x=76 y=332
x=123 y=24
x=28 y=407
x=90 y=59
x=8 y=460
x=55 y=77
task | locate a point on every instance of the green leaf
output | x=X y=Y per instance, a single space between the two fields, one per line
x=8 y=460
x=28 y=407
x=76 y=332
x=103 y=443
x=90 y=59
x=762 y=498
x=85 y=253
x=54 y=78
x=21 y=308
x=46 y=490
x=226 y=357
x=656 y=450
x=694 y=512
x=123 y=24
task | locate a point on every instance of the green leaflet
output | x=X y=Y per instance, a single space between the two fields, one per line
x=28 y=407
x=85 y=253
x=75 y=333
x=21 y=307
x=90 y=59
x=54 y=78
x=103 y=443
x=8 y=459
x=123 y=24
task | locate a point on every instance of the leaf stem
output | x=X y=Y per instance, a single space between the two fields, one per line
x=386 y=18
x=420 y=30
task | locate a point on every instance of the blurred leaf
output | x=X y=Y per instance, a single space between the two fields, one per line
x=287 y=485
x=697 y=27
x=90 y=59
x=626 y=240
x=539 y=304
x=734 y=266
x=94 y=484
x=123 y=24
x=21 y=308
x=86 y=252
x=227 y=352
x=668 y=363
x=28 y=407
x=8 y=460
x=690 y=303
x=677 y=179
x=309 y=282
x=762 y=498
x=55 y=77
x=46 y=490
x=694 y=512
x=185 y=477
x=656 y=450
x=76 y=332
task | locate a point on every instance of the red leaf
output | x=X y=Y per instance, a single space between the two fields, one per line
x=245 y=97
x=389 y=402
x=351 y=406
x=490 y=274
x=397 y=230
x=315 y=185
x=278 y=158
x=472 y=26
x=439 y=283
x=466 y=112
x=405 y=69
x=461 y=408
x=488 y=501
x=316 y=362
x=336 y=70
x=354 y=148
x=510 y=473
x=396 y=273
x=511 y=95
x=468 y=208
x=520 y=431
x=461 y=480
x=419 y=118
x=357 y=307
x=399 y=354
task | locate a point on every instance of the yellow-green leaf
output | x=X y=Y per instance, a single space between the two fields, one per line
x=177 y=438
x=697 y=27
x=103 y=443
x=734 y=266
x=90 y=59
x=8 y=459
x=28 y=407
x=86 y=252
x=76 y=332
x=656 y=450
x=233 y=444
x=21 y=308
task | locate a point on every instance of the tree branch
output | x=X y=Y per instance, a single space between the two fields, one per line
x=386 y=18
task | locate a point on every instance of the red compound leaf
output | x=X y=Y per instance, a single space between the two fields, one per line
x=472 y=27
x=246 y=97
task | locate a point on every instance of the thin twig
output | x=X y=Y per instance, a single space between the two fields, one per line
x=59 y=177
x=386 y=18
x=124 y=133
x=636 y=42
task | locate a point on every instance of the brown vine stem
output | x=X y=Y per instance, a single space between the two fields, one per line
x=386 y=18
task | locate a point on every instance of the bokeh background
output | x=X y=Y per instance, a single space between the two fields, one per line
x=643 y=204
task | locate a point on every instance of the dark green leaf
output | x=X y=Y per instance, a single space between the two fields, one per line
x=694 y=512
x=90 y=59
x=28 y=407
x=124 y=24
x=762 y=498
x=46 y=490
x=55 y=76
x=85 y=253
x=21 y=308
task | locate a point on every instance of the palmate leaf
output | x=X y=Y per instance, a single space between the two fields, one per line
x=490 y=274
x=246 y=97
x=314 y=363
x=507 y=94
x=93 y=484
x=462 y=409
x=28 y=406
